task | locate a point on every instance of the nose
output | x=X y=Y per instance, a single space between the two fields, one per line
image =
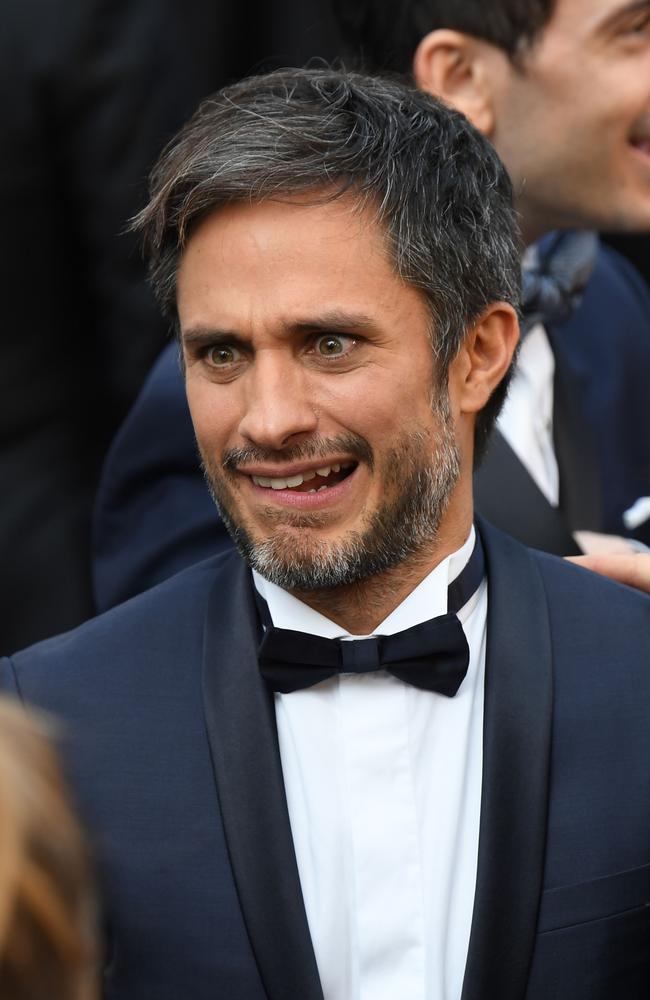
x=278 y=403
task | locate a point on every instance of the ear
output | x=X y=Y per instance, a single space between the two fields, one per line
x=484 y=358
x=454 y=67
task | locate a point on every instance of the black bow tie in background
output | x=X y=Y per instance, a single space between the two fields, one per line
x=433 y=656
x=555 y=274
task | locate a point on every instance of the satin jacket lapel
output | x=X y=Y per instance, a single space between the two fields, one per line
x=580 y=484
x=516 y=742
x=240 y=719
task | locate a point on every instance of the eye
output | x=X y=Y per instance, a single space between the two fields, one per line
x=222 y=355
x=638 y=24
x=642 y=22
x=333 y=345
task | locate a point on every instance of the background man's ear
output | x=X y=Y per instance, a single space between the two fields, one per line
x=456 y=68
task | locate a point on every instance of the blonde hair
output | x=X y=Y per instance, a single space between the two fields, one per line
x=47 y=912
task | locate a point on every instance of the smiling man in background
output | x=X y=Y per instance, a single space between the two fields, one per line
x=562 y=89
x=387 y=753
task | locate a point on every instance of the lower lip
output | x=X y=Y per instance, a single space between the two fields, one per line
x=305 y=501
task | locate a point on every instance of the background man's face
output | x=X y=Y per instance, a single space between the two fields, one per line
x=574 y=127
x=310 y=380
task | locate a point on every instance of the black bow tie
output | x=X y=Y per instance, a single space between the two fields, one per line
x=555 y=274
x=433 y=656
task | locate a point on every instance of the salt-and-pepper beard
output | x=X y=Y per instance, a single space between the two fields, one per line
x=418 y=478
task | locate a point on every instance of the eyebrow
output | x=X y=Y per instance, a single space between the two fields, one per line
x=613 y=19
x=334 y=321
x=203 y=336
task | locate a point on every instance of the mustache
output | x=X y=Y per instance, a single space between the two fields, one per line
x=319 y=447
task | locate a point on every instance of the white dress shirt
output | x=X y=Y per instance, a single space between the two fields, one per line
x=526 y=420
x=383 y=785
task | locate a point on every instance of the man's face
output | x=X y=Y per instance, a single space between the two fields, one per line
x=573 y=125
x=310 y=379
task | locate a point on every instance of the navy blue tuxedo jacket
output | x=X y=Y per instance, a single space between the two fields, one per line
x=154 y=515
x=171 y=747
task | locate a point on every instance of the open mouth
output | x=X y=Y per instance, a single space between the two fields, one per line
x=309 y=481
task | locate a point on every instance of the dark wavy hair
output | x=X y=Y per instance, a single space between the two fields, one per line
x=382 y=35
x=435 y=184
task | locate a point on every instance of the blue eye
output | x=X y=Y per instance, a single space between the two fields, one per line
x=638 y=25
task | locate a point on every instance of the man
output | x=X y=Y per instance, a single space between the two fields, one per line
x=454 y=804
x=563 y=91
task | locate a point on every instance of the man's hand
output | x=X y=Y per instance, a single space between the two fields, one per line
x=634 y=570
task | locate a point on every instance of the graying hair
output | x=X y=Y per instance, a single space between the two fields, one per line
x=434 y=182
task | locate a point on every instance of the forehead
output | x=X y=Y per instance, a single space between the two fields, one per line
x=576 y=21
x=274 y=262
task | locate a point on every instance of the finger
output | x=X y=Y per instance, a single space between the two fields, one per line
x=632 y=570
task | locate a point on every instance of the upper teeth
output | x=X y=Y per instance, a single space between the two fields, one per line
x=298 y=479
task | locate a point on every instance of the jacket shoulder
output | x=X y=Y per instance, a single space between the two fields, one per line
x=593 y=615
x=585 y=584
x=572 y=594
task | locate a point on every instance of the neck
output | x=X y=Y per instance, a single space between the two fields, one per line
x=535 y=220
x=360 y=607
x=531 y=231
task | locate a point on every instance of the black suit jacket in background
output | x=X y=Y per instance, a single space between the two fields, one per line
x=172 y=749
x=601 y=418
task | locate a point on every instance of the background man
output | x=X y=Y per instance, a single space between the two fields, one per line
x=563 y=91
x=448 y=806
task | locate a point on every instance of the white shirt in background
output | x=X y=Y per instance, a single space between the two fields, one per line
x=526 y=420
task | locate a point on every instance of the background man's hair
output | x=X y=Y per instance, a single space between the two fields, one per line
x=434 y=184
x=384 y=36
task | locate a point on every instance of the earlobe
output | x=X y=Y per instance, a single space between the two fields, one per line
x=485 y=357
x=451 y=65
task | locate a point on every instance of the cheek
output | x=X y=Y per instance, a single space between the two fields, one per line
x=571 y=107
x=399 y=383
x=372 y=407
x=213 y=414
x=409 y=411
